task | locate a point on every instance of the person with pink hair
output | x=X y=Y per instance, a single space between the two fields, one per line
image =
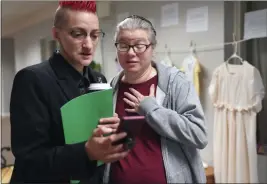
x=38 y=93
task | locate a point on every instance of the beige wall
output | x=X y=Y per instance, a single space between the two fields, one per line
x=6 y=142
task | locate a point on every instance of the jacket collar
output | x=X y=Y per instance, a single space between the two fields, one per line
x=68 y=78
x=63 y=69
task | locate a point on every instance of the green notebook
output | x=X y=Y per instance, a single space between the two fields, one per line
x=80 y=116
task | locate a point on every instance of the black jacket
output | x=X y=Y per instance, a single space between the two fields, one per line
x=37 y=137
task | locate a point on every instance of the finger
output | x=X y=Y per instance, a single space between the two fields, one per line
x=131 y=97
x=98 y=132
x=116 y=156
x=136 y=93
x=115 y=115
x=110 y=120
x=114 y=127
x=116 y=149
x=130 y=110
x=152 y=90
x=132 y=104
x=115 y=137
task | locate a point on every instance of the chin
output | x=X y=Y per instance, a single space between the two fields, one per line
x=133 y=69
x=85 y=62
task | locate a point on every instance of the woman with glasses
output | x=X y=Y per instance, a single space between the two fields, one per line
x=166 y=146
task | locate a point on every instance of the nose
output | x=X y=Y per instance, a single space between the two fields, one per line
x=88 y=43
x=131 y=51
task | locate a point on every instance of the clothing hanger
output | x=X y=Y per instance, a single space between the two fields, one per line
x=191 y=59
x=167 y=60
x=234 y=55
x=192 y=48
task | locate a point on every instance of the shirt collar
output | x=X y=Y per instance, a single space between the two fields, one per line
x=66 y=70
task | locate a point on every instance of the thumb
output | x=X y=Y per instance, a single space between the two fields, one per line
x=116 y=115
x=152 y=90
x=100 y=131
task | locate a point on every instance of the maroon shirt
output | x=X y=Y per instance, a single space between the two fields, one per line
x=144 y=163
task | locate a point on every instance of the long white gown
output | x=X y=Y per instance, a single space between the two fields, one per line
x=236 y=92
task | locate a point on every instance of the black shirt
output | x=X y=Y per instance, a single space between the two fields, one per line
x=83 y=80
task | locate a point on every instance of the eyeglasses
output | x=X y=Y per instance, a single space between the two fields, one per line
x=137 y=48
x=81 y=34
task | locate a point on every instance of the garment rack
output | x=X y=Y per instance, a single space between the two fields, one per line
x=205 y=48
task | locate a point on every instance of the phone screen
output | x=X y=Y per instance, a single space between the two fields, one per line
x=132 y=125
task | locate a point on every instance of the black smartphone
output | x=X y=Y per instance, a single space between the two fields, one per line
x=132 y=125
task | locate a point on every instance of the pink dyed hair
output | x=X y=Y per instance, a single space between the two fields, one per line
x=89 y=6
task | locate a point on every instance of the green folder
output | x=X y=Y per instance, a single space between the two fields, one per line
x=81 y=115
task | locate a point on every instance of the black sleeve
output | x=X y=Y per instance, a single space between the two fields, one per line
x=36 y=160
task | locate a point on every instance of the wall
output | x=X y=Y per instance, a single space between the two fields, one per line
x=8 y=71
x=7 y=76
x=6 y=141
x=27 y=44
x=1 y=74
x=17 y=53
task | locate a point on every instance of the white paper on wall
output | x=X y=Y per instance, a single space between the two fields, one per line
x=122 y=16
x=255 y=24
x=169 y=15
x=197 y=19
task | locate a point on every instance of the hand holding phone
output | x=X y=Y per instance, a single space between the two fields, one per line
x=132 y=125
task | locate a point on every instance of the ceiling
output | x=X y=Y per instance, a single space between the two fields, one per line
x=12 y=10
x=17 y=15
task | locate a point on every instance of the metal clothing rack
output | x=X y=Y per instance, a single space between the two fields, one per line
x=204 y=48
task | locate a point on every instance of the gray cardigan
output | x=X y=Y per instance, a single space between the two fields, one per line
x=177 y=116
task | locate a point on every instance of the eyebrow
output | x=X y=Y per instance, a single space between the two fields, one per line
x=97 y=30
x=80 y=28
x=135 y=40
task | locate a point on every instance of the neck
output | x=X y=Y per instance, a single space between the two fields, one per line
x=76 y=66
x=139 y=77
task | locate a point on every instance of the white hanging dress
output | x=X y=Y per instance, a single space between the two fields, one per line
x=236 y=92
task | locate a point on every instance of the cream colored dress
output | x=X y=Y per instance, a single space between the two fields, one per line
x=236 y=92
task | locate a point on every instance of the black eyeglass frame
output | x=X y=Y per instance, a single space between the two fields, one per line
x=133 y=46
x=86 y=34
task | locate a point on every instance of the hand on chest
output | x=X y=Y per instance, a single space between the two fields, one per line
x=130 y=96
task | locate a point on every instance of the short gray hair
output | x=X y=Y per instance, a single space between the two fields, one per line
x=137 y=22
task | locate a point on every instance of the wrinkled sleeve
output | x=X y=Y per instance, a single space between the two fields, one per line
x=258 y=90
x=213 y=87
x=185 y=122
